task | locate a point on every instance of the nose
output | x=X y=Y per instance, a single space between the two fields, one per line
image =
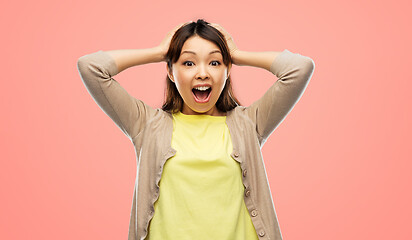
x=202 y=72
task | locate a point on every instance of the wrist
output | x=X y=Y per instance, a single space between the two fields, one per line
x=237 y=56
x=159 y=53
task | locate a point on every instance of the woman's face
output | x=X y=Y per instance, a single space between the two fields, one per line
x=200 y=76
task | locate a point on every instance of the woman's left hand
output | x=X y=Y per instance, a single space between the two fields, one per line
x=231 y=44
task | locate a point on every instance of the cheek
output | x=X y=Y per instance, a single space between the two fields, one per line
x=180 y=74
x=183 y=80
x=221 y=75
x=182 y=85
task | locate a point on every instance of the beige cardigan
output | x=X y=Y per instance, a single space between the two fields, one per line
x=150 y=130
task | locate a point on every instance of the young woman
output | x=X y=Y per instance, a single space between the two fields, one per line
x=200 y=171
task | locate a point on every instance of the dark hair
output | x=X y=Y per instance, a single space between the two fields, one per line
x=173 y=101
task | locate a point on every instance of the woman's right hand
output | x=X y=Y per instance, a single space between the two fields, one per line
x=164 y=45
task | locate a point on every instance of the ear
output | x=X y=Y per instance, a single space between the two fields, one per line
x=169 y=73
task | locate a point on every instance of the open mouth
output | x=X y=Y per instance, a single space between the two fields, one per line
x=202 y=94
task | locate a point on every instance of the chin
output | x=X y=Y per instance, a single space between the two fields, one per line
x=200 y=111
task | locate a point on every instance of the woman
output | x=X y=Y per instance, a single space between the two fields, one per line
x=200 y=172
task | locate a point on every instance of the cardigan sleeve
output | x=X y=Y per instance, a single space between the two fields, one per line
x=129 y=114
x=294 y=72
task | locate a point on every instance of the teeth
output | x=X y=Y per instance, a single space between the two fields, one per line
x=202 y=88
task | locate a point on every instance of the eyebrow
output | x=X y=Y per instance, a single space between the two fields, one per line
x=215 y=51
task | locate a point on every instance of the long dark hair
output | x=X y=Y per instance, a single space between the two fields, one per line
x=173 y=101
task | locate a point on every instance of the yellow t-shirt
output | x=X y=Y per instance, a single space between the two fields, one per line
x=201 y=189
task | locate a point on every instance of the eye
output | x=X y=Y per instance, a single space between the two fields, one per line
x=215 y=63
x=189 y=62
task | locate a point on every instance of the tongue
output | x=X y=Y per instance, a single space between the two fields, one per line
x=201 y=95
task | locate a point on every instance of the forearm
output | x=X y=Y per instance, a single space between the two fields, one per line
x=293 y=71
x=255 y=59
x=126 y=58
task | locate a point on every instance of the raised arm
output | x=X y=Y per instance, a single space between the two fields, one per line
x=125 y=58
x=97 y=70
x=293 y=71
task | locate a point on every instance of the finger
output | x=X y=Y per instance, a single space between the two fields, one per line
x=179 y=26
x=216 y=25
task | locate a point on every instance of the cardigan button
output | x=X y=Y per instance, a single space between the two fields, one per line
x=254 y=213
x=236 y=154
x=262 y=233
x=244 y=172
x=247 y=193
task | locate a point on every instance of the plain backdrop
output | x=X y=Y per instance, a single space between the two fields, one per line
x=339 y=165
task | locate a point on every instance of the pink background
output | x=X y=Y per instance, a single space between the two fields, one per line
x=339 y=166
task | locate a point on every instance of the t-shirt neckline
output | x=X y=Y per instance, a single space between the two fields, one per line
x=197 y=117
